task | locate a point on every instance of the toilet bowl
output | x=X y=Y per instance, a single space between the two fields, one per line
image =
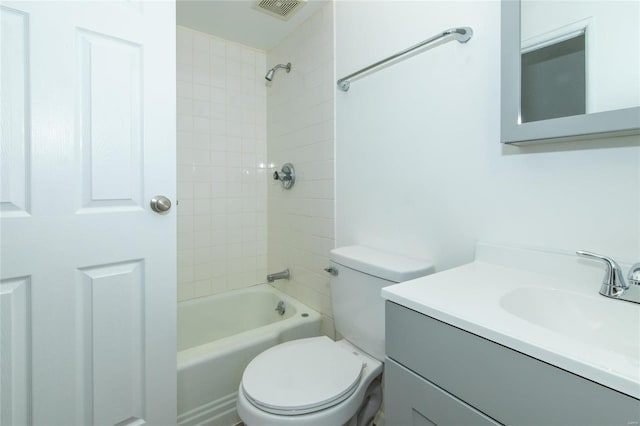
x=310 y=382
x=321 y=382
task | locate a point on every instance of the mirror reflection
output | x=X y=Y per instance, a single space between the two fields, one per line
x=578 y=57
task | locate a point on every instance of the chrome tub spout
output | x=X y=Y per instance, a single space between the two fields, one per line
x=284 y=275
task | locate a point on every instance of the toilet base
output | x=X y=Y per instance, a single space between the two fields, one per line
x=371 y=404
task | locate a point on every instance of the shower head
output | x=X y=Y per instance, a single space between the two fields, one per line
x=270 y=74
x=272 y=71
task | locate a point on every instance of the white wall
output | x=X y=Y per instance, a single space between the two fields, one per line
x=420 y=167
x=300 y=128
x=222 y=216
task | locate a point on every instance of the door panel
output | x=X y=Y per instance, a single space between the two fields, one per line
x=14 y=161
x=15 y=350
x=87 y=269
x=113 y=344
x=110 y=72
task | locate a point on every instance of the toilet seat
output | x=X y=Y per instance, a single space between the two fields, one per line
x=302 y=376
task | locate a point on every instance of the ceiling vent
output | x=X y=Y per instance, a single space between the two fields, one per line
x=282 y=9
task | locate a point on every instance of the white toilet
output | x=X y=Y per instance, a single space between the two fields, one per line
x=317 y=381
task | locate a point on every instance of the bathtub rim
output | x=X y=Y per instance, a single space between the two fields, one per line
x=197 y=354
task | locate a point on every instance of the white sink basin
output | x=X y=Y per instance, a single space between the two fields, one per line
x=592 y=320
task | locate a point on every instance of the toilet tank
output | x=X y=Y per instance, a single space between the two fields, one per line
x=358 y=308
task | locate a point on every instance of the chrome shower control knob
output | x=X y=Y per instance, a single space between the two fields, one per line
x=286 y=176
x=281 y=176
x=160 y=204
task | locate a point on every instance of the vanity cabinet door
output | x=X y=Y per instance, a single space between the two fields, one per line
x=412 y=400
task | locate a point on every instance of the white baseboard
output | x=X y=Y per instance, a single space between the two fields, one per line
x=221 y=412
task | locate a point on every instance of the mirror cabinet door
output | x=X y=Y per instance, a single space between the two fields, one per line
x=570 y=69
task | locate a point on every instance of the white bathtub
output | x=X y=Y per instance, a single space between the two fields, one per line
x=218 y=336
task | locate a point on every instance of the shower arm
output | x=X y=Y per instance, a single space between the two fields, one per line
x=287 y=67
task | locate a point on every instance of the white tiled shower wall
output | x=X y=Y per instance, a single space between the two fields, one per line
x=222 y=218
x=300 y=127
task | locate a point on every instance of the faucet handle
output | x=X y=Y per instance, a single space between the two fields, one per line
x=634 y=274
x=613 y=282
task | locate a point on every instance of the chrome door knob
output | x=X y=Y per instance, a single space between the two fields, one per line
x=160 y=204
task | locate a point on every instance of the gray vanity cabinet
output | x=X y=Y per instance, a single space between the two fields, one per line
x=437 y=374
x=412 y=400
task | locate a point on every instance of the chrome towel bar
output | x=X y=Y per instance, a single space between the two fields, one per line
x=461 y=34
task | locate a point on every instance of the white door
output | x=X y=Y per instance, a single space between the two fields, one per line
x=87 y=268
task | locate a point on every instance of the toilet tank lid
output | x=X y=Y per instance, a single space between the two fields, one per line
x=388 y=266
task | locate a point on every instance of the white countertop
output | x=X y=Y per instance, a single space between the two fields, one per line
x=471 y=297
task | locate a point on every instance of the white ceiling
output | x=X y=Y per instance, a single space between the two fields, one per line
x=238 y=21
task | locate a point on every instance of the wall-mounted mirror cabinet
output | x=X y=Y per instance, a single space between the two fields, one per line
x=570 y=69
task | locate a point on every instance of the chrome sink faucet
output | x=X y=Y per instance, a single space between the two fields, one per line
x=613 y=283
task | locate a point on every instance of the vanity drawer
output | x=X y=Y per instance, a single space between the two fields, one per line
x=506 y=385
x=412 y=400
